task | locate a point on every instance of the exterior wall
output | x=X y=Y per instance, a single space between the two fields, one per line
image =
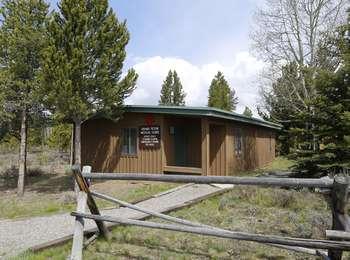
x=217 y=146
x=256 y=149
x=101 y=146
x=266 y=144
x=210 y=145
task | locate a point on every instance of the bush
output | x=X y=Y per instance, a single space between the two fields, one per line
x=9 y=143
x=60 y=137
x=35 y=172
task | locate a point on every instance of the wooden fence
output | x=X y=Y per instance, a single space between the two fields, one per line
x=335 y=243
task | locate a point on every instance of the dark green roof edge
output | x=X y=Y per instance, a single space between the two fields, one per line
x=200 y=111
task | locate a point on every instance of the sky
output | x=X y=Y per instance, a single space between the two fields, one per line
x=197 y=38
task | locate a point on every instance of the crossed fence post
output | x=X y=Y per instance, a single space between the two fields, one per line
x=84 y=198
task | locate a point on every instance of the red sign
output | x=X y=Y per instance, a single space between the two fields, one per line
x=149 y=120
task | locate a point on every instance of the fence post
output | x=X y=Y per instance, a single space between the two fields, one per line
x=78 y=237
x=340 y=217
x=90 y=200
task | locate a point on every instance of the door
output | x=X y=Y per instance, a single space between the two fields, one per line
x=180 y=146
x=217 y=152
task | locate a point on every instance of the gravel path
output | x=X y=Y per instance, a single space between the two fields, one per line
x=19 y=235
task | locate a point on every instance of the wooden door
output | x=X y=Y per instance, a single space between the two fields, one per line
x=217 y=152
x=180 y=146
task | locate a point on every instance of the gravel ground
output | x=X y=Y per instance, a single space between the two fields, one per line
x=20 y=235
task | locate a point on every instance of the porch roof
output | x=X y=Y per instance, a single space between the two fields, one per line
x=200 y=112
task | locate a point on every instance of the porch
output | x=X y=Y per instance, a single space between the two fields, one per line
x=194 y=146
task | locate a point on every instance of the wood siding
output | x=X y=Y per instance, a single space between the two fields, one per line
x=217 y=148
x=210 y=145
x=256 y=150
x=101 y=146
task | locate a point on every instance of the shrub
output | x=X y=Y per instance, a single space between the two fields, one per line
x=9 y=143
x=60 y=137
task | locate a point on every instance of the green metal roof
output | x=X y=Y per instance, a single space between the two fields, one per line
x=200 y=111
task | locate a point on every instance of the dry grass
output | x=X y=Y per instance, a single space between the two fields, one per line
x=49 y=187
x=261 y=210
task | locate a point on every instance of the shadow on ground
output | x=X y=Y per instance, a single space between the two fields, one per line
x=38 y=181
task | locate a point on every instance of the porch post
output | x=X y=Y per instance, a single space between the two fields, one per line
x=205 y=147
x=163 y=128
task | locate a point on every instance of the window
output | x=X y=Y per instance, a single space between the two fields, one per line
x=238 y=142
x=129 y=141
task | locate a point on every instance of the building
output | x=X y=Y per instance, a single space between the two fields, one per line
x=189 y=140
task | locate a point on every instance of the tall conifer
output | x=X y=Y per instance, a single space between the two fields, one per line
x=166 y=91
x=172 y=93
x=178 y=92
x=22 y=38
x=83 y=63
x=221 y=95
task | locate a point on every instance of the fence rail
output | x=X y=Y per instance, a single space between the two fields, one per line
x=261 y=181
x=339 y=197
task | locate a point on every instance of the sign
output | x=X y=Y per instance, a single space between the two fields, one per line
x=149 y=120
x=149 y=136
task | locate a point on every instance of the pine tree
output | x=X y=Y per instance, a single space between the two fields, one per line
x=248 y=112
x=172 y=93
x=330 y=119
x=220 y=94
x=166 y=92
x=22 y=38
x=178 y=92
x=83 y=64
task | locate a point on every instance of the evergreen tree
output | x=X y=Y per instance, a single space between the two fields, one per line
x=22 y=38
x=83 y=64
x=220 y=94
x=166 y=91
x=330 y=119
x=172 y=93
x=248 y=112
x=178 y=92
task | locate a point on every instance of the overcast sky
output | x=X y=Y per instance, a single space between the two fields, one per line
x=196 y=38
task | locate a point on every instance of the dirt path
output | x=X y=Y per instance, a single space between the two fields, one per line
x=20 y=235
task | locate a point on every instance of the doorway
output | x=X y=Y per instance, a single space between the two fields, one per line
x=180 y=146
x=217 y=152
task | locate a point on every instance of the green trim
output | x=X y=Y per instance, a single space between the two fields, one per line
x=200 y=111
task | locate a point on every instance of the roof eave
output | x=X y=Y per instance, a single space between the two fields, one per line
x=209 y=112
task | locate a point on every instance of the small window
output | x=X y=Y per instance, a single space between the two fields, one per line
x=129 y=141
x=238 y=142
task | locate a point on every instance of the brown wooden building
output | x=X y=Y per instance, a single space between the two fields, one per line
x=163 y=139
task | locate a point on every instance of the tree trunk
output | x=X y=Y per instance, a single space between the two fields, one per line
x=71 y=159
x=77 y=147
x=22 y=154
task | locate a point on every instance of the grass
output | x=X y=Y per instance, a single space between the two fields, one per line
x=250 y=209
x=39 y=204
x=49 y=187
x=279 y=164
x=298 y=213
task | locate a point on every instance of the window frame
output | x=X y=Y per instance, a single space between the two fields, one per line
x=129 y=154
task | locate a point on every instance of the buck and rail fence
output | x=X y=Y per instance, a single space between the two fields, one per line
x=331 y=248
